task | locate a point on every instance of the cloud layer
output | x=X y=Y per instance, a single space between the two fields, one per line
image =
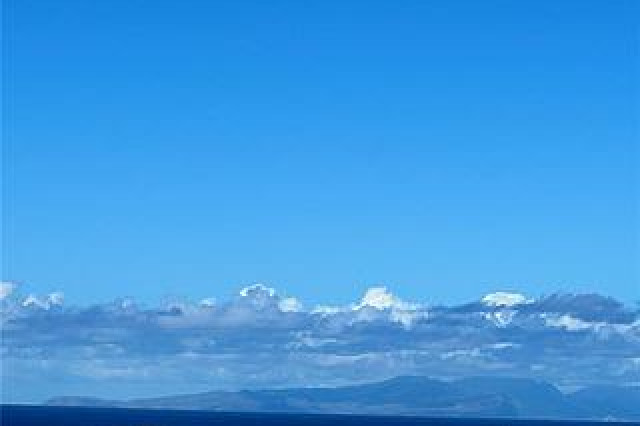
x=262 y=339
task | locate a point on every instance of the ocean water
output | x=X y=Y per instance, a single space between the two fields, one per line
x=21 y=415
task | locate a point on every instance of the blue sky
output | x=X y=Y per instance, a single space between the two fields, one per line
x=443 y=148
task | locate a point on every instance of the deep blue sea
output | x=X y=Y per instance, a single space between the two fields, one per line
x=21 y=415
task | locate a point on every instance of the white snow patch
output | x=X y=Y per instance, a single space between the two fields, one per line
x=377 y=297
x=209 y=302
x=504 y=299
x=501 y=318
x=257 y=290
x=290 y=304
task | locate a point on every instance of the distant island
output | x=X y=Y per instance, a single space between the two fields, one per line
x=408 y=395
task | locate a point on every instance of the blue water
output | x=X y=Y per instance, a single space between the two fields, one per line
x=64 y=416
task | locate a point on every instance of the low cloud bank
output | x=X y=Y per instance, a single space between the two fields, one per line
x=262 y=339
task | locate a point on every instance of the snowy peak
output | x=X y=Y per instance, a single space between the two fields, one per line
x=505 y=300
x=46 y=303
x=377 y=297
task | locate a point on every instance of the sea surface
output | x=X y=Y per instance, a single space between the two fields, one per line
x=23 y=415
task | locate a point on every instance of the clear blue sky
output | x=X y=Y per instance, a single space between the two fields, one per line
x=444 y=148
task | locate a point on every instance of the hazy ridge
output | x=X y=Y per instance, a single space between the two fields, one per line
x=409 y=395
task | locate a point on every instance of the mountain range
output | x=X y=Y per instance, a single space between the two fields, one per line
x=408 y=395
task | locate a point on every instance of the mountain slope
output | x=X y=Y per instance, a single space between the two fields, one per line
x=473 y=397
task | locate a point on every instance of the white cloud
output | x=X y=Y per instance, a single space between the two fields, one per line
x=503 y=345
x=56 y=298
x=501 y=318
x=568 y=323
x=571 y=323
x=328 y=310
x=290 y=304
x=257 y=334
x=209 y=302
x=6 y=289
x=462 y=353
